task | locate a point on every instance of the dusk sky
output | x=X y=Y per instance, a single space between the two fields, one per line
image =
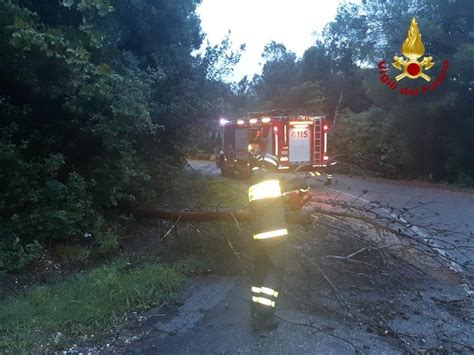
x=294 y=23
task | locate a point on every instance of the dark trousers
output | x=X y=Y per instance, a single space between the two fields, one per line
x=269 y=267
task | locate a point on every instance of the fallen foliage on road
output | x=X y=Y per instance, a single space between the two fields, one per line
x=367 y=266
x=356 y=267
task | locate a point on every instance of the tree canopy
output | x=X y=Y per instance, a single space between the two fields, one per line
x=428 y=135
x=95 y=98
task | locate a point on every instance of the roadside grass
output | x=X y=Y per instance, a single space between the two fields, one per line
x=193 y=190
x=53 y=317
x=220 y=244
x=225 y=193
x=47 y=318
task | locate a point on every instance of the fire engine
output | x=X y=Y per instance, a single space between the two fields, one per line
x=300 y=142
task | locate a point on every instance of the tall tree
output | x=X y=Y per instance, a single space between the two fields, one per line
x=93 y=96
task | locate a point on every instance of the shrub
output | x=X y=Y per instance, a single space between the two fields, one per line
x=15 y=256
x=370 y=140
x=106 y=244
x=38 y=206
x=72 y=254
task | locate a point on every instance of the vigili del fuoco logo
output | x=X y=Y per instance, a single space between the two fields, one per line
x=411 y=67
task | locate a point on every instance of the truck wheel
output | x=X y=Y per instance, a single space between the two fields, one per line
x=220 y=163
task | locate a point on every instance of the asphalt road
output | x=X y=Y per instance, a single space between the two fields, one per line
x=429 y=206
x=214 y=319
x=427 y=313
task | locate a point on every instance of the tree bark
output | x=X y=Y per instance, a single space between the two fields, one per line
x=297 y=217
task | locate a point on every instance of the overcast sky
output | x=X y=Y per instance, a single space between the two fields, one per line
x=257 y=22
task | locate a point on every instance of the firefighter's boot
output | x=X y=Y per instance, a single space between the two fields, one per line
x=269 y=265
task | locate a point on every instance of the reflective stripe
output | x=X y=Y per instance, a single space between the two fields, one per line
x=264 y=301
x=265 y=189
x=269 y=291
x=265 y=290
x=271 y=234
x=256 y=289
x=275 y=129
x=268 y=160
x=325 y=142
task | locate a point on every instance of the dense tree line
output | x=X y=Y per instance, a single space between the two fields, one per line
x=427 y=135
x=95 y=98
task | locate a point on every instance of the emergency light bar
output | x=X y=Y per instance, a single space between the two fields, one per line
x=303 y=122
x=293 y=123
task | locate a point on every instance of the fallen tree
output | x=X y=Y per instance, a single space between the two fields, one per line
x=240 y=215
x=192 y=215
x=371 y=224
x=362 y=263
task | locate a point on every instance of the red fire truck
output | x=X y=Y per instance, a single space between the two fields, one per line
x=299 y=141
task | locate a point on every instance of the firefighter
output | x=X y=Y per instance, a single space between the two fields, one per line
x=269 y=241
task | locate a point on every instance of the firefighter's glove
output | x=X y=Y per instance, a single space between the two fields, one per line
x=297 y=193
x=296 y=200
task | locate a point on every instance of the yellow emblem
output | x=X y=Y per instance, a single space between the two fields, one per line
x=413 y=49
